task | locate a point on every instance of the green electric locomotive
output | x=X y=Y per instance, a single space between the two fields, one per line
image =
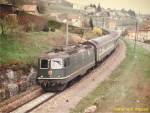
x=56 y=69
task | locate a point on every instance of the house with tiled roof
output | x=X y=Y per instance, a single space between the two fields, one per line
x=6 y=9
x=142 y=34
x=31 y=9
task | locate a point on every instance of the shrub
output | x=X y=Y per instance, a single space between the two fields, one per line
x=97 y=31
x=77 y=30
x=30 y=27
x=31 y=22
x=53 y=29
x=147 y=41
x=54 y=24
x=46 y=28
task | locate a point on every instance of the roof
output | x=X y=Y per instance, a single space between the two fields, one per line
x=133 y=30
x=49 y=55
x=29 y=8
x=6 y=4
x=66 y=51
x=144 y=30
x=74 y=17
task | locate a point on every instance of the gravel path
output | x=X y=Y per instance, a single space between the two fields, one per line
x=68 y=99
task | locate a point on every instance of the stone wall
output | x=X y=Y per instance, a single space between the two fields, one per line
x=14 y=82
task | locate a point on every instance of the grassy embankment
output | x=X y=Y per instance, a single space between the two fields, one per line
x=126 y=90
x=25 y=50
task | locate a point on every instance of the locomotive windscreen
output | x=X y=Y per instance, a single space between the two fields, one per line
x=57 y=63
x=44 y=63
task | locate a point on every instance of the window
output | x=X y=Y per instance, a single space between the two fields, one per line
x=57 y=63
x=89 y=54
x=44 y=64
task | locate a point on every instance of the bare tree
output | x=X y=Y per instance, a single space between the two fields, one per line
x=3 y=27
x=91 y=23
x=99 y=9
x=9 y=24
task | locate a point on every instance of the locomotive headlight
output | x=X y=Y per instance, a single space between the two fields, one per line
x=49 y=72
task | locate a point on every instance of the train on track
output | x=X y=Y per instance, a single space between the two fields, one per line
x=57 y=68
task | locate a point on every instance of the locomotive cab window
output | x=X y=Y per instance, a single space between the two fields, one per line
x=43 y=63
x=57 y=63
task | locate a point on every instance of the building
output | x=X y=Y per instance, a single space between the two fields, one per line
x=90 y=10
x=31 y=9
x=75 y=20
x=142 y=34
x=103 y=14
x=60 y=2
x=112 y=24
x=131 y=34
x=78 y=7
x=6 y=9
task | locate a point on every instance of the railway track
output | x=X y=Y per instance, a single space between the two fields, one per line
x=19 y=100
x=30 y=106
x=35 y=103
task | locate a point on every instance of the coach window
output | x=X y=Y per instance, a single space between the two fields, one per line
x=89 y=54
x=100 y=50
